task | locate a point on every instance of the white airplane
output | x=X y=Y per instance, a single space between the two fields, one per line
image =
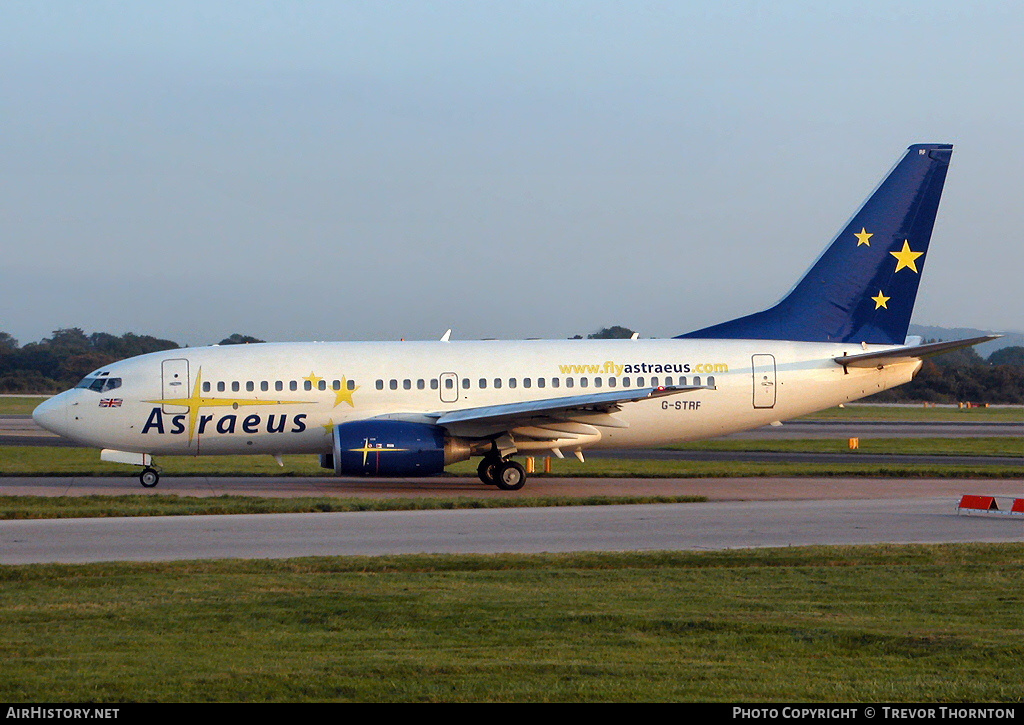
x=410 y=408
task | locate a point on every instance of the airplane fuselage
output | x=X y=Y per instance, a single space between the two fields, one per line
x=279 y=398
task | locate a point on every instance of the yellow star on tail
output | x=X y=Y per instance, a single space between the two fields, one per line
x=881 y=300
x=864 y=237
x=905 y=257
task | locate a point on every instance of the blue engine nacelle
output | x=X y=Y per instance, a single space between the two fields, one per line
x=392 y=448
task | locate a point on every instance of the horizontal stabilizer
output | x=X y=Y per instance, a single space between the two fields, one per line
x=908 y=354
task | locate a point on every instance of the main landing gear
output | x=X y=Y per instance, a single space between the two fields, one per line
x=505 y=474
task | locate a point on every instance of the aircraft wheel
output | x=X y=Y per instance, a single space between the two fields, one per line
x=149 y=477
x=510 y=476
x=487 y=470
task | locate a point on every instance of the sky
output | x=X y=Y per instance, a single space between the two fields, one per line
x=383 y=170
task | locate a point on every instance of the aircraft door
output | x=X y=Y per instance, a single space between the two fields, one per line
x=174 y=374
x=764 y=380
x=449 y=388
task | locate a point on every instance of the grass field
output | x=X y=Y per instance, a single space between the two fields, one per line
x=840 y=624
x=19 y=404
x=919 y=413
x=974 y=446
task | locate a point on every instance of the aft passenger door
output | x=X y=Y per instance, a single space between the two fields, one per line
x=764 y=380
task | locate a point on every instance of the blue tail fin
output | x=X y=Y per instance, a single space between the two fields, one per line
x=862 y=288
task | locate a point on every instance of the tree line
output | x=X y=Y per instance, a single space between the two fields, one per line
x=963 y=376
x=58 y=362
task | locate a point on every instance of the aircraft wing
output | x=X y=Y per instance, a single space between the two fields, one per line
x=907 y=354
x=594 y=406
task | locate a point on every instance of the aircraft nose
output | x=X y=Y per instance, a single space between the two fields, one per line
x=52 y=415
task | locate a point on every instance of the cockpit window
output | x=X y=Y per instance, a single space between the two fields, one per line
x=100 y=385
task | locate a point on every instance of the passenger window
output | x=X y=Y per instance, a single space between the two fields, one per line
x=497 y=382
x=206 y=387
x=293 y=385
x=433 y=383
x=352 y=384
x=321 y=385
x=541 y=382
x=711 y=380
x=278 y=385
x=612 y=382
x=235 y=387
x=264 y=386
x=393 y=384
x=307 y=385
x=640 y=382
x=554 y=382
x=682 y=380
x=220 y=387
x=654 y=382
x=527 y=383
x=380 y=385
x=597 y=382
x=625 y=382
x=249 y=386
x=449 y=383
x=421 y=384
x=668 y=380
x=465 y=383
x=407 y=384
x=696 y=379
x=483 y=383
x=568 y=382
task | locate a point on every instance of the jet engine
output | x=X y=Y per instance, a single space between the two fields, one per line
x=393 y=448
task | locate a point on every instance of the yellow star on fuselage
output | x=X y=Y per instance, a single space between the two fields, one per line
x=343 y=394
x=880 y=300
x=313 y=379
x=197 y=401
x=864 y=237
x=906 y=257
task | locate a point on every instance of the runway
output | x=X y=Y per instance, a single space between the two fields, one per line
x=775 y=512
x=708 y=526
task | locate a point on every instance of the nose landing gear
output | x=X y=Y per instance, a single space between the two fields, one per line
x=149 y=477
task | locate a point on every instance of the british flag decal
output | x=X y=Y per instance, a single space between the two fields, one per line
x=111 y=402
